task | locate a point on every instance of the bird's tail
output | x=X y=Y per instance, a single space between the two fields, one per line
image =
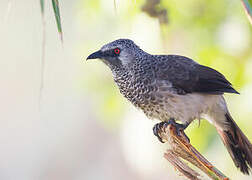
x=237 y=144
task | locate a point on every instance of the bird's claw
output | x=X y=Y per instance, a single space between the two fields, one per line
x=159 y=127
x=180 y=130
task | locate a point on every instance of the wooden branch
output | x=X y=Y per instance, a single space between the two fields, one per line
x=181 y=148
x=150 y=7
x=247 y=4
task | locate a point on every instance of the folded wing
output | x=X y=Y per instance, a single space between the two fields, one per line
x=188 y=76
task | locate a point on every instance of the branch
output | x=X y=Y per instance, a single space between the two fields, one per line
x=153 y=9
x=247 y=4
x=181 y=148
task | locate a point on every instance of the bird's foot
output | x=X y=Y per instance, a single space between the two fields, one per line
x=159 y=127
x=180 y=129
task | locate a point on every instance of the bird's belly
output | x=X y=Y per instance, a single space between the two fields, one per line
x=184 y=108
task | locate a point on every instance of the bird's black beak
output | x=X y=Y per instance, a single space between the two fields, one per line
x=95 y=55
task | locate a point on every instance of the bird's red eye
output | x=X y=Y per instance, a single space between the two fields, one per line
x=117 y=51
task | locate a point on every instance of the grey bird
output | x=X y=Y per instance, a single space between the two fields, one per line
x=167 y=87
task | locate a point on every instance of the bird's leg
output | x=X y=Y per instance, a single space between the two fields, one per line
x=180 y=128
x=162 y=125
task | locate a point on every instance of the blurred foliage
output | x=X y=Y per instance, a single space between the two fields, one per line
x=55 y=5
x=153 y=8
x=42 y=6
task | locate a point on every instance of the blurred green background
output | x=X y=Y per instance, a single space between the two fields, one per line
x=84 y=128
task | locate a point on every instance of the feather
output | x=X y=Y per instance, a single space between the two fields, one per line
x=187 y=76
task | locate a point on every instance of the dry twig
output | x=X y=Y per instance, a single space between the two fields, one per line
x=181 y=148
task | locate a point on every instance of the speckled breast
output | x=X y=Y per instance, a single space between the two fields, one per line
x=142 y=93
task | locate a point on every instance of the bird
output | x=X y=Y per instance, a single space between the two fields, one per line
x=175 y=88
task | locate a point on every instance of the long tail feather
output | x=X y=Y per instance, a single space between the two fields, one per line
x=237 y=144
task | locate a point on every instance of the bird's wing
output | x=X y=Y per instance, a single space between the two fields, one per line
x=187 y=76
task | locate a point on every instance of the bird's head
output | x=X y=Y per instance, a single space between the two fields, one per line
x=119 y=53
